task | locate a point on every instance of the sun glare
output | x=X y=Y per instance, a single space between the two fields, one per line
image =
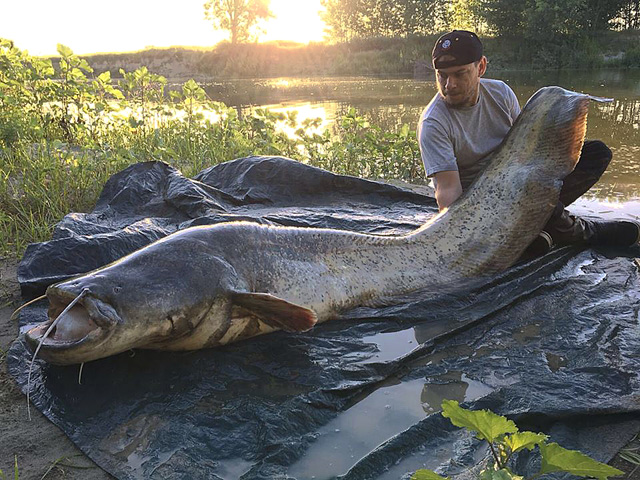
x=305 y=111
x=295 y=20
x=123 y=25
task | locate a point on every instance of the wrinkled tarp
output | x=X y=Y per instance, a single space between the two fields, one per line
x=552 y=344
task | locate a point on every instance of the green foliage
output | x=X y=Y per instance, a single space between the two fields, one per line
x=358 y=147
x=540 y=20
x=504 y=440
x=521 y=440
x=632 y=57
x=350 y=19
x=487 y=425
x=545 y=20
x=501 y=474
x=239 y=17
x=64 y=132
x=427 y=475
x=558 y=459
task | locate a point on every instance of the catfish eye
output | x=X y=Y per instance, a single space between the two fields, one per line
x=117 y=290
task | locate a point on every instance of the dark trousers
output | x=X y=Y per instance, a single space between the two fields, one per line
x=563 y=227
x=594 y=160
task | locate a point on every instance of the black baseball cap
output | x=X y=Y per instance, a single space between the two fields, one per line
x=465 y=47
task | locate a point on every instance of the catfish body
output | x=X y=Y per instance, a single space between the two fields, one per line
x=211 y=285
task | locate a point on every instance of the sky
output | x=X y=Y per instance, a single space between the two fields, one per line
x=91 y=26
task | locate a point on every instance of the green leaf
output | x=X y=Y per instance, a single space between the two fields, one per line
x=520 y=440
x=486 y=424
x=84 y=65
x=558 y=459
x=64 y=51
x=502 y=474
x=425 y=474
x=115 y=92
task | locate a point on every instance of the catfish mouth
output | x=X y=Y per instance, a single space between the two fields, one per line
x=88 y=321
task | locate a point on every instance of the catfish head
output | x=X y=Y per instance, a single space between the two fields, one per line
x=147 y=299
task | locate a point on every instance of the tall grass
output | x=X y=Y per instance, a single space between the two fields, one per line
x=65 y=132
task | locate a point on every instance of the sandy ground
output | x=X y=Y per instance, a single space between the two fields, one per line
x=41 y=449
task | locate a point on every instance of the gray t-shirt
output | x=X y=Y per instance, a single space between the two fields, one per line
x=458 y=138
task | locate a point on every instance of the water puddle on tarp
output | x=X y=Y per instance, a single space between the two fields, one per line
x=384 y=413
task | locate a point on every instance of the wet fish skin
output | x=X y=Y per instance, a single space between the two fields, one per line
x=212 y=285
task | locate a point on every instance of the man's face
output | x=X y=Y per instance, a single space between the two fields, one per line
x=459 y=85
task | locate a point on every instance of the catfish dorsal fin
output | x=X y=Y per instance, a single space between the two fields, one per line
x=276 y=312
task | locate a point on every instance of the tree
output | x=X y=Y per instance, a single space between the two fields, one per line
x=599 y=14
x=350 y=19
x=629 y=17
x=341 y=18
x=545 y=19
x=464 y=15
x=240 y=17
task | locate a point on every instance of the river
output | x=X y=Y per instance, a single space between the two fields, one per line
x=390 y=102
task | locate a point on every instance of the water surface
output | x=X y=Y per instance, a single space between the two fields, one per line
x=390 y=102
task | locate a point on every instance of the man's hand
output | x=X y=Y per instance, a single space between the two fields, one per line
x=448 y=188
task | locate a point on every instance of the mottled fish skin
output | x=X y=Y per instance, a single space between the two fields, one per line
x=182 y=292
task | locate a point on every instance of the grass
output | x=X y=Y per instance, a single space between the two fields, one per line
x=58 y=464
x=63 y=462
x=631 y=454
x=40 y=183
x=39 y=187
x=16 y=475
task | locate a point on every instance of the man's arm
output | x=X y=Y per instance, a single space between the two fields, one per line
x=448 y=188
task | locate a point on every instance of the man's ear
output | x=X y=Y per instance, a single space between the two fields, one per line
x=482 y=66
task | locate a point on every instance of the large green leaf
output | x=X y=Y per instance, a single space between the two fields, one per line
x=520 y=440
x=64 y=51
x=115 y=92
x=486 y=424
x=502 y=474
x=558 y=459
x=105 y=77
x=425 y=474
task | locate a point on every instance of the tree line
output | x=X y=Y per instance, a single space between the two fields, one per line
x=347 y=20
x=536 y=19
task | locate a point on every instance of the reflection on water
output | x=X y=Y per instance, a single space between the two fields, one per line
x=392 y=102
x=357 y=431
x=555 y=362
x=384 y=413
x=232 y=469
x=528 y=332
x=451 y=386
x=391 y=346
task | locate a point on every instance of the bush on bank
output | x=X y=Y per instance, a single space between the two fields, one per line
x=64 y=131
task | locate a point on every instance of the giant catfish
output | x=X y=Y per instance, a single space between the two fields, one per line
x=211 y=285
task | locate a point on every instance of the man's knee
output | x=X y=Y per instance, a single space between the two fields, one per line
x=595 y=157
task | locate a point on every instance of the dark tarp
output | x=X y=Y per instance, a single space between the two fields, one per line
x=552 y=343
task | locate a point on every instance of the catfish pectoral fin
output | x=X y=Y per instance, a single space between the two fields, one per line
x=276 y=312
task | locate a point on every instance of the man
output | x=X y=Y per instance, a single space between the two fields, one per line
x=470 y=116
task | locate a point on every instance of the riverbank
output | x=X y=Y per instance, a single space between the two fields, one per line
x=379 y=56
x=40 y=448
